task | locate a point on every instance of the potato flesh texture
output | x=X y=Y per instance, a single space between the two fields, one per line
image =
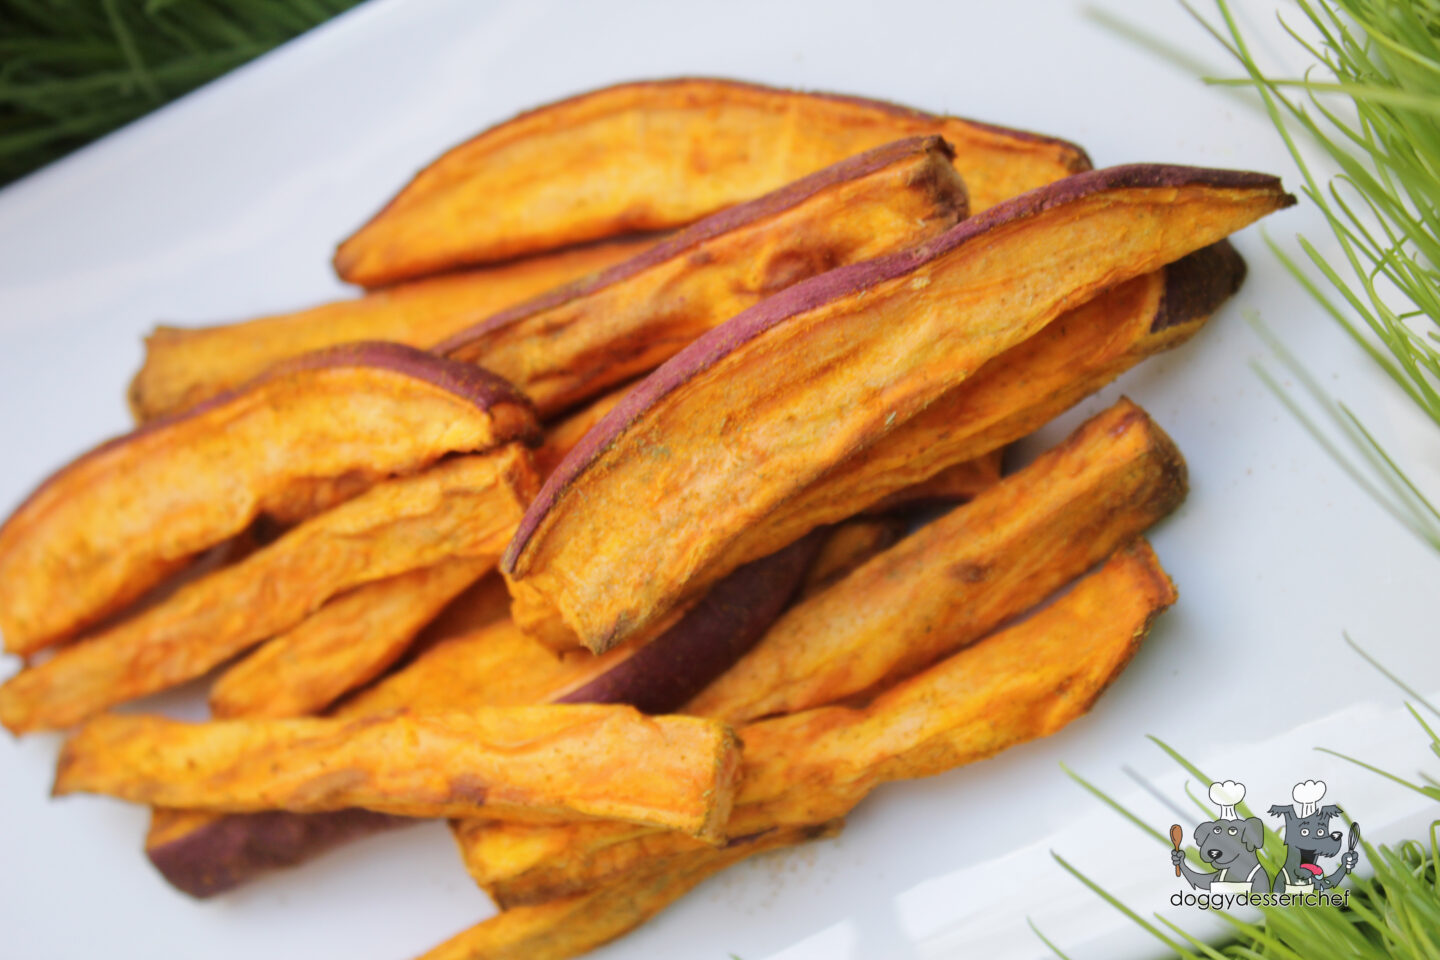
x=184 y=366
x=102 y=532
x=481 y=658
x=485 y=662
x=650 y=157
x=504 y=762
x=574 y=925
x=849 y=545
x=569 y=353
x=562 y=435
x=467 y=507
x=1009 y=588
x=956 y=483
x=1010 y=397
x=954 y=580
x=352 y=639
x=571 y=926
x=336 y=650
x=498 y=665
x=877 y=359
x=1023 y=682
x=343 y=645
x=485 y=602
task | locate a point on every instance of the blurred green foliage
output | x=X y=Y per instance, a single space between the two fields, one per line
x=73 y=70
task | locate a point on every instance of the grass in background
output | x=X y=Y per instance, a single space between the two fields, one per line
x=1370 y=101
x=1394 y=914
x=73 y=70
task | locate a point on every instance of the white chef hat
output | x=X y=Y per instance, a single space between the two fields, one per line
x=1227 y=793
x=1307 y=795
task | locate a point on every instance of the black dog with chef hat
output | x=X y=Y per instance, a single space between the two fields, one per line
x=1229 y=844
x=1308 y=839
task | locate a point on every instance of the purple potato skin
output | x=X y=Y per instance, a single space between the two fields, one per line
x=475 y=384
x=715 y=225
x=235 y=848
x=1196 y=285
x=660 y=678
x=809 y=294
x=666 y=673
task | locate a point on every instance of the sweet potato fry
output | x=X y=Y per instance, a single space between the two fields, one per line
x=566 y=346
x=561 y=436
x=951 y=582
x=343 y=645
x=1017 y=392
x=847 y=546
x=756 y=410
x=490 y=663
x=571 y=926
x=464 y=508
x=659 y=676
x=483 y=603
x=204 y=854
x=954 y=484
x=185 y=365
x=352 y=639
x=1025 y=681
x=112 y=524
x=596 y=760
x=652 y=156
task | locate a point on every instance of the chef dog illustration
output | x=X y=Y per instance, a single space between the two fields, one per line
x=1308 y=839
x=1229 y=843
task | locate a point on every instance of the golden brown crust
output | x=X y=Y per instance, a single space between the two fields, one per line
x=734 y=428
x=570 y=926
x=581 y=169
x=566 y=346
x=1015 y=393
x=463 y=508
x=849 y=545
x=1025 y=681
x=607 y=761
x=343 y=645
x=119 y=519
x=186 y=365
x=954 y=580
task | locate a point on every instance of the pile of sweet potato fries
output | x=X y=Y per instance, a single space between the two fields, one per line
x=585 y=525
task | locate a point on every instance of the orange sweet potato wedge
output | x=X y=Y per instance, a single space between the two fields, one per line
x=489 y=662
x=482 y=603
x=566 y=346
x=185 y=365
x=1017 y=392
x=498 y=665
x=570 y=926
x=462 y=508
x=652 y=156
x=486 y=663
x=661 y=675
x=608 y=761
x=753 y=412
x=112 y=524
x=562 y=435
x=1026 y=681
x=956 y=483
x=942 y=588
x=847 y=546
x=343 y=645
x=954 y=580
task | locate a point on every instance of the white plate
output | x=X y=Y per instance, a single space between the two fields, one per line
x=228 y=203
